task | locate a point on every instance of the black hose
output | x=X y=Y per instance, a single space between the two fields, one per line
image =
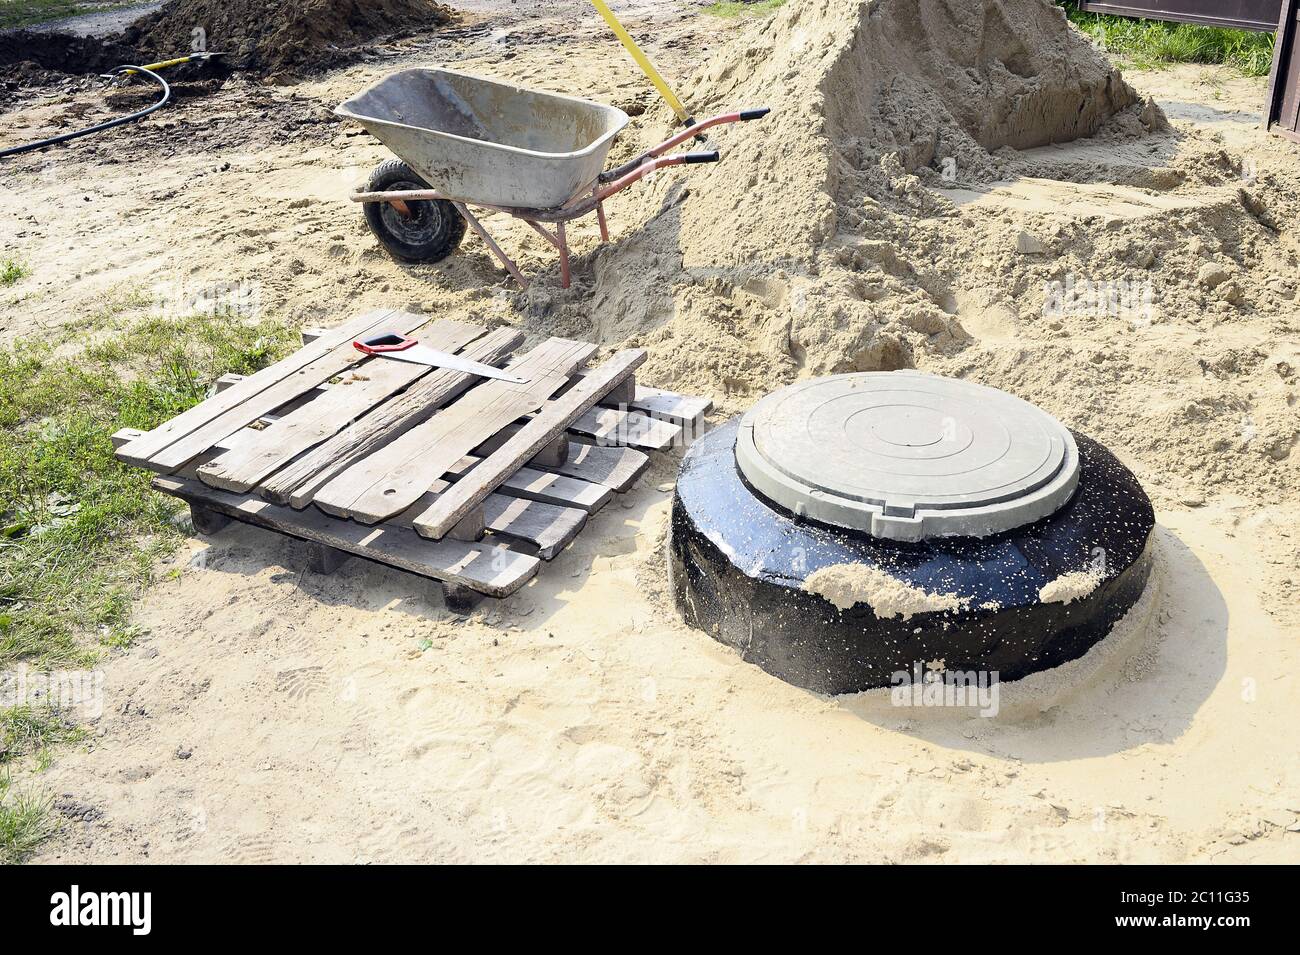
x=121 y=120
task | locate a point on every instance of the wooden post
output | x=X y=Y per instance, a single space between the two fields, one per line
x=471 y=528
x=323 y=559
x=206 y=521
x=622 y=394
x=460 y=599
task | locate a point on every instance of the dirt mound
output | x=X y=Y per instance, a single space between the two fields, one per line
x=28 y=53
x=279 y=36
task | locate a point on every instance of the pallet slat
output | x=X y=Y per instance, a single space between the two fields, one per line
x=278 y=393
x=551 y=420
x=614 y=426
x=147 y=445
x=296 y=483
x=495 y=571
x=366 y=386
x=394 y=476
x=538 y=485
x=616 y=468
x=685 y=410
x=548 y=527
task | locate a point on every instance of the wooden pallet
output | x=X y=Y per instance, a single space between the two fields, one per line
x=469 y=481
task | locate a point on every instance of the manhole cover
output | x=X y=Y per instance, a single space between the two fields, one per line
x=907 y=456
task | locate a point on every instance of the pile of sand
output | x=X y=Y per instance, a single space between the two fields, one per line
x=866 y=96
x=864 y=91
x=930 y=173
x=279 y=36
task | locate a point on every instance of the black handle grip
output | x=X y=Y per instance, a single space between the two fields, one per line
x=713 y=156
x=747 y=114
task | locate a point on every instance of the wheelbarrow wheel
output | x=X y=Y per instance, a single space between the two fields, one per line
x=429 y=233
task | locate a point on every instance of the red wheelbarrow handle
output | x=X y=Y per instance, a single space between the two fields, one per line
x=383 y=342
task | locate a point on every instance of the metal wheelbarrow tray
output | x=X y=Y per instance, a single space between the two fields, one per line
x=463 y=140
x=485 y=142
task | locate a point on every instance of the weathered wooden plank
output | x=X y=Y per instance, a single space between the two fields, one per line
x=613 y=426
x=297 y=482
x=548 y=527
x=393 y=477
x=539 y=485
x=295 y=386
x=288 y=388
x=495 y=571
x=548 y=518
x=685 y=410
x=553 y=418
x=617 y=468
x=152 y=442
x=362 y=388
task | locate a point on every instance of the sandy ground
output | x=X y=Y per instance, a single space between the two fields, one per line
x=272 y=714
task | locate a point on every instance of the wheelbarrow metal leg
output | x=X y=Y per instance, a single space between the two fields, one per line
x=543 y=232
x=600 y=217
x=563 y=246
x=482 y=233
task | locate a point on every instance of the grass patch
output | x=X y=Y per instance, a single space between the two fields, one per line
x=739 y=8
x=25 y=821
x=1149 y=43
x=32 y=730
x=24 y=13
x=79 y=531
x=11 y=271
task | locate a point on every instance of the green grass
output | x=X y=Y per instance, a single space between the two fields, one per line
x=31 y=730
x=11 y=271
x=23 y=13
x=1150 y=43
x=26 y=735
x=25 y=821
x=80 y=532
x=733 y=8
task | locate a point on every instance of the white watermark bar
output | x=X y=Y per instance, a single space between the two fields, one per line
x=72 y=692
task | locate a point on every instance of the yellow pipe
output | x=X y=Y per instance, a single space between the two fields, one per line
x=174 y=62
x=642 y=60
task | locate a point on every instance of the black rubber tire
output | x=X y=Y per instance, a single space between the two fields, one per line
x=432 y=232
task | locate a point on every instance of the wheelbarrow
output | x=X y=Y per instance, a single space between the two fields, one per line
x=463 y=140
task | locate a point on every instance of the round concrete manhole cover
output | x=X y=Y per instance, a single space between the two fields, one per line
x=906 y=456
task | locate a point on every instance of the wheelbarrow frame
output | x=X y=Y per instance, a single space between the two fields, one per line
x=590 y=198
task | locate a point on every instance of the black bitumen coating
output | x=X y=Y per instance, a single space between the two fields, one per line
x=739 y=562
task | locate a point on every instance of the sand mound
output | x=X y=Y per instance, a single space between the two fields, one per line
x=788 y=271
x=280 y=35
x=865 y=91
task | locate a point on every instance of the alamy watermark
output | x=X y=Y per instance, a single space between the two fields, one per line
x=933 y=685
x=79 y=692
x=241 y=298
x=1134 y=299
